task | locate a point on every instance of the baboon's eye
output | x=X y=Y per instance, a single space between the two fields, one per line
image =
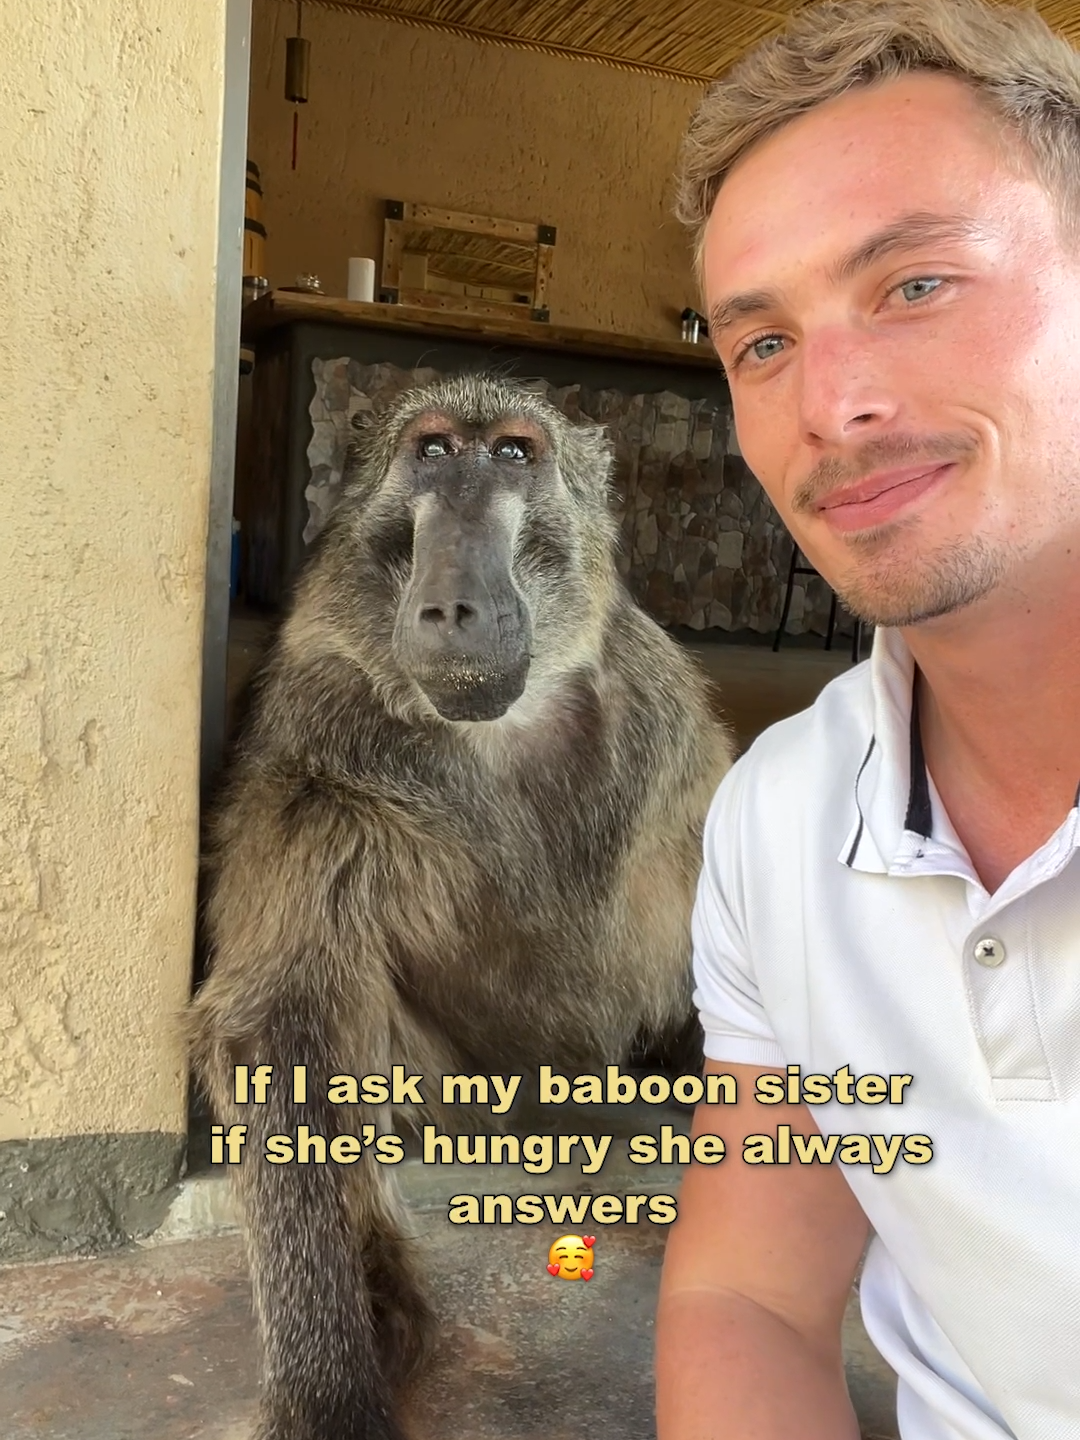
x=510 y=449
x=434 y=447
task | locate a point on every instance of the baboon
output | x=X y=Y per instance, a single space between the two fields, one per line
x=469 y=795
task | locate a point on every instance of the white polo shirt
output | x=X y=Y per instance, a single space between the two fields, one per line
x=839 y=922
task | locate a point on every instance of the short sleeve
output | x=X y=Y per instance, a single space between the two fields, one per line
x=737 y=1029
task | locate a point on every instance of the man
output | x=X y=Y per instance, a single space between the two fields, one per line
x=886 y=205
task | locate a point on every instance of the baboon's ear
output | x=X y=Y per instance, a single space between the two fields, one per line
x=588 y=459
x=361 y=420
x=366 y=457
x=362 y=439
x=591 y=433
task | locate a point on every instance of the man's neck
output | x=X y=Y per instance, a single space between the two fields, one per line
x=999 y=701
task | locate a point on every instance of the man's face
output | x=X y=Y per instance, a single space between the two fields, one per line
x=913 y=413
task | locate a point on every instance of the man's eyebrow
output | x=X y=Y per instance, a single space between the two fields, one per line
x=738 y=307
x=907 y=233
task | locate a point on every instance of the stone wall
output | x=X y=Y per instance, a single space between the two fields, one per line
x=702 y=545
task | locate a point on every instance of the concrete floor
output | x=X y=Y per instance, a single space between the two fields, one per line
x=756 y=688
x=157 y=1342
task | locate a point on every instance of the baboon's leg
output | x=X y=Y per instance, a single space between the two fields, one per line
x=342 y=1318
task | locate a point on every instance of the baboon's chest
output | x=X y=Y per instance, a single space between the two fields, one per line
x=563 y=834
x=544 y=833
x=565 y=799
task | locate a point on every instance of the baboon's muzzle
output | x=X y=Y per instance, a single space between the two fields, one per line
x=463 y=629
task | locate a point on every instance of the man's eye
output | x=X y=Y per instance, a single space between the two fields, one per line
x=931 y=280
x=510 y=449
x=433 y=447
x=752 y=351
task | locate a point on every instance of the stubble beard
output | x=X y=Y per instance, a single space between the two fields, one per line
x=891 y=584
x=894 y=590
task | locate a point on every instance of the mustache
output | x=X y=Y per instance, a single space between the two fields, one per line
x=885 y=452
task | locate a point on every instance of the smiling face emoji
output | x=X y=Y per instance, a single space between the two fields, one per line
x=571 y=1257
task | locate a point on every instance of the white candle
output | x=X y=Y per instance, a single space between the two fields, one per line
x=361 y=278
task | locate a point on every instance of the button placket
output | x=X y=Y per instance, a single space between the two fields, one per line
x=1000 y=991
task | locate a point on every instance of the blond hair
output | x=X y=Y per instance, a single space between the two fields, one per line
x=1028 y=76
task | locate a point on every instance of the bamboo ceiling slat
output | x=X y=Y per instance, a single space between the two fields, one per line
x=687 y=40
x=502 y=252
x=476 y=259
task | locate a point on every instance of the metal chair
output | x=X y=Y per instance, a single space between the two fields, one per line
x=796 y=569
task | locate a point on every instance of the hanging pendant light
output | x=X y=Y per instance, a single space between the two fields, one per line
x=297 y=67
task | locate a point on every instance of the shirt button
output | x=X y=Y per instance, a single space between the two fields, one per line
x=989 y=951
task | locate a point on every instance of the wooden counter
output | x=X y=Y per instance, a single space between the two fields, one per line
x=284 y=307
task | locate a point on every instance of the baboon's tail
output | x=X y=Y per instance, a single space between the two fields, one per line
x=343 y=1322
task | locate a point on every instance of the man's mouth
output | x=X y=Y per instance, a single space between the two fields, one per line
x=879 y=497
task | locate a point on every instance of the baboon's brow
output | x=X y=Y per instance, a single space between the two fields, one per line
x=509 y=422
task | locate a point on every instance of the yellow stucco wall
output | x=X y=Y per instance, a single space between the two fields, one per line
x=111 y=117
x=407 y=114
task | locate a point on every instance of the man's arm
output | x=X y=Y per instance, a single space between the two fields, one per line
x=757 y=1274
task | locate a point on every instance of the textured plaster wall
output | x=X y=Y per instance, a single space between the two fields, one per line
x=408 y=114
x=111 y=115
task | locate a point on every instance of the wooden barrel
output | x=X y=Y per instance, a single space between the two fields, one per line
x=254 y=230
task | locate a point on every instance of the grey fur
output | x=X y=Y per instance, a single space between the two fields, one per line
x=389 y=886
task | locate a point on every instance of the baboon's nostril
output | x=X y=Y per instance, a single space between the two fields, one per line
x=443 y=616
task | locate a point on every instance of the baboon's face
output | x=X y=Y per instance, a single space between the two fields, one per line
x=476 y=500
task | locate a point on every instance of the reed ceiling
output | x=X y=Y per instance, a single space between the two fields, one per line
x=688 y=40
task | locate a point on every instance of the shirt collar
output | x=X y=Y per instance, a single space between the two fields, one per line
x=893 y=825
x=892 y=792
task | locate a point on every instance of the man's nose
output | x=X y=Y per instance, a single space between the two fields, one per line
x=844 y=392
